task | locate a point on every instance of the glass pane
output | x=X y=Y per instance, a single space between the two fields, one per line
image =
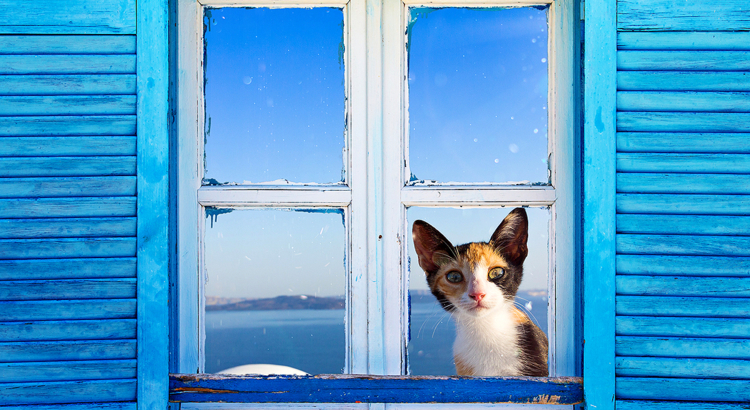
x=478 y=95
x=274 y=95
x=275 y=292
x=433 y=330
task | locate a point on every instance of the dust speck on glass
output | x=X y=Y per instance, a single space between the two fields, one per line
x=274 y=96
x=478 y=95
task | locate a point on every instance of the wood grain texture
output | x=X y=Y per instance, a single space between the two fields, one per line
x=67 y=330
x=631 y=60
x=112 y=84
x=68 y=64
x=683 y=204
x=684 y=163
x=682 y=367
x=663 y=183
x=69 y=268
x=665 y=40
x=683 y=245
x=67 y=166
x=75 y=350
x=66 y=146
x=67 y=371
x=66 y=248
x=67 y=44
x=652 y=388
x=76 y=406
x=683 y=122
x=681 y=224
x=120 y=288
x=672 y=142
x=67 y=309
x=682 y=265
x=683 y=81
x=67 y=207
x=66 y=227
x=698 y=15
x=677 y=405
x=94 y=125
x=80 y=17
x=67 y=105
x=67 y=187
x=683 y=306
x=68 y=392
x=683 y=347
x=683 y=327
x=688 y=101
x=374 y=389
x=712 y=287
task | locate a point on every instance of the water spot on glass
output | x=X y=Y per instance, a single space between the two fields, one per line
x=513 y=148
x=496 y=160
x=511 y=118
x=475 y=140
x=247 y=80
x=544 y=60
x=533 y=40
x=536 y=131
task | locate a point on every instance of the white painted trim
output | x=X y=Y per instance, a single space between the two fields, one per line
x=242 y=197
x=475 y=3
x=477 y=197
x=274 y=3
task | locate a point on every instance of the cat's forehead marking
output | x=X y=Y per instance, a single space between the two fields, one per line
x=482 y=252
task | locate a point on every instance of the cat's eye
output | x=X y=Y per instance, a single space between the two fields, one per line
x=454 y=277
x=496 y=273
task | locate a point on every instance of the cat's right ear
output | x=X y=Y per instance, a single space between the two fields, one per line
x=433 y=249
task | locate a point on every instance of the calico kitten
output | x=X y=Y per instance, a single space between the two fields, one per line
x=477 y=283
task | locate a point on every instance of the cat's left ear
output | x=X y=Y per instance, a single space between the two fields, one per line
x=511 y=236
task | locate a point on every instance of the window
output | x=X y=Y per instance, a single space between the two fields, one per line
x=261 y=146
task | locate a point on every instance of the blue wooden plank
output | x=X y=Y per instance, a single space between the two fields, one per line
x=683 y=81
x=681 y=163
x=683 y=245
x=79 y=17
x=75 y=406
x=660 y=183
x=683 y=327
x=119 y=288
x=683 y=306
x=72 y=350
x=68 y=392
x=696 y=15
x=38 y=269
x=723 y=143
x=677 y=405
x=94 y=125
x=682 y=367
x=680 y=224
x=682 y=265
x=689 y=101
x=628 y=60
x=683 y=204
x=66 y=146
x=67 y=105
x=374 y=389
x=67 y=187
x=652 y=388
x=683 y=121
x=67 y=310
x=67 y=371
x=683 y=347
x=713 y=287
x=67 y=166
x=67 y=207
x=67 y=44
x=67 y=84
x=68 y=64
x=68 y=330
x=66 y=248
x=627 y=40
x=66 y=227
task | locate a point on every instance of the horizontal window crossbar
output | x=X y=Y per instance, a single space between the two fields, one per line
x=240 y=196
x=467 y=196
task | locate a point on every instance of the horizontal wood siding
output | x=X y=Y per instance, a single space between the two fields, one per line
x=68 y=205
x=683 y=204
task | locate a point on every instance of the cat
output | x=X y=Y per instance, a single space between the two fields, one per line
x=477 y=283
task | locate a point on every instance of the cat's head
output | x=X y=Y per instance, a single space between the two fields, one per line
x=478 y=277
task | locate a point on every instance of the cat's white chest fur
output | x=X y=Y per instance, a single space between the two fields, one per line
x=488 y=345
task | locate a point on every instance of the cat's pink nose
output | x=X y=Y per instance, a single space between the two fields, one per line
x=477 y=296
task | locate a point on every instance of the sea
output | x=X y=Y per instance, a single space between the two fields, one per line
x=314 y=340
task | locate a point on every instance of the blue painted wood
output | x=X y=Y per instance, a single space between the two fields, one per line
x=75 y=350
x=67 y=84
x=653 y=388
x=374 y=389
x=67 y=371
x=79 y=17
x=66 y=247
x=67 y=187
x=713 y=287
x=627 y=40
x=671 y=142
x=682 y=224
x=683 y=121
x=67 y=309
x=86 y=406
x=697 y=15
x=683 y=347
x=67 y=268
x=94 y=125
x=66 y=227
x=66 y=166
x=67 y=207
x=683 y=327
x=66 y=44
x=683 y=81
x=683 y=306
x=682 y=265
x=67 y=330
x=677 y=405
x=683 y=367
x=683 y=245
x=67 y=105
x=66 y=146
x=689 y=163
x=653 y=183
x=119 y=288
x=630 y=60
x=689 y=101
x=683 y=204
x=68 y=392
x=68 y=64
